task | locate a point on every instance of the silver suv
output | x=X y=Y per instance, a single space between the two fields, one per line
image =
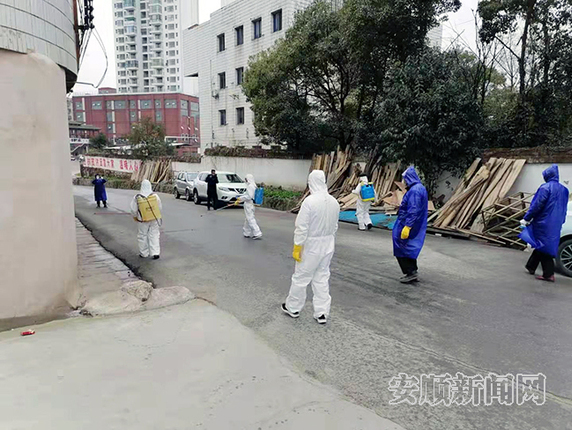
x=184 y=185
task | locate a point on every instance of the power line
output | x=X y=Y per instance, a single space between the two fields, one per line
x=102 y=45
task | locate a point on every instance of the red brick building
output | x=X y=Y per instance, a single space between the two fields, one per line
x=115 y=114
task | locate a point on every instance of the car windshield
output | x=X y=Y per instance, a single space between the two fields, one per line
x=191 y=176
x=229 y=178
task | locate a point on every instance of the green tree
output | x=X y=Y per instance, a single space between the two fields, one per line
x=147 y=140
x=99 y=142
x=429 y=116
x=542 y=31
x=318 y=88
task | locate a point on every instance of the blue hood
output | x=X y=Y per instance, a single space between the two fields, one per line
x=410 y=177
x=551 y=174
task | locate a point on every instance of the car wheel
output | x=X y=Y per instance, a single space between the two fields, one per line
x=564 y=259
x=196 y=198
x=176 y=194
x=188 y=196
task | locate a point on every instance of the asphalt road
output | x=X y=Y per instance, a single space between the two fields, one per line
x=475 y=310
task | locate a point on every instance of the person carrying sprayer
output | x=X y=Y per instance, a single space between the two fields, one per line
x=410 y=228
x=366 y=197
x=314 y=246
x=250 y=229
x=146 y=209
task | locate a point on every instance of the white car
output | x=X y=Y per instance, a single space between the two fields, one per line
x=230 y=186
x=564 y=258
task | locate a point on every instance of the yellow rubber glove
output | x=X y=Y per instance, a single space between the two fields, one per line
x=405 y=232
x=297 y=253
x=237 y=202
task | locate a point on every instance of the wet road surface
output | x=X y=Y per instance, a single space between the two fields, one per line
x=475 y=310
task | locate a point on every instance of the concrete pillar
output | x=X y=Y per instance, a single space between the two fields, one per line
x=38 y=256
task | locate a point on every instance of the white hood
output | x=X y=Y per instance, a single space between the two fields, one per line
x=317 y=182
x=146 y=189
x=250 y=180
x=363 y=180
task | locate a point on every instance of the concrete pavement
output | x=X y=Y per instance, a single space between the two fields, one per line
x=190 y=366
x=475 y=311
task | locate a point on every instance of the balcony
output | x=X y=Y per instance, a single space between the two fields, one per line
x=157 y=63
x=129 y=4
x=131 y=29
x=134 y=64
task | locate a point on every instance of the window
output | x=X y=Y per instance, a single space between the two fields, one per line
x=133 y=116
x=110 y=128
x=222 y=117
x=240 y=115
x=119 y=104
x=158 y=104
x=109 y=116
x=277 y=21
x=96 y=105
x=194 y=107
x=79 y=105
x=239 y=35
x=145 y=104
x=80 y=116
x=158 y=115
x=257 y=28
x=132 y=104
x=108 y=105
x=221 y=42
x=184 y=108
x=171 y=104
x=222 y=80
x=239 y=75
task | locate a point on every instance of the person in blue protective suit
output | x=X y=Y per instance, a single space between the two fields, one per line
x=411 y=226
x=99 y=191
x=543 y=223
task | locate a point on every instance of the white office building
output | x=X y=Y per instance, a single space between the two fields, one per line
x=148 y=45
x=217 y=52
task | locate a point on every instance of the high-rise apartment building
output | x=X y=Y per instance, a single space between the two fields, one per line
x=148 y=43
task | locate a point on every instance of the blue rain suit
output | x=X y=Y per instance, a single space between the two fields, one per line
x=547 y=213
x=413 y=214
x=99 y=190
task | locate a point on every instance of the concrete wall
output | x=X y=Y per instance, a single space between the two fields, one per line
x=531 y=177
x=272 y=171
x=38 y=260
x=43 y=26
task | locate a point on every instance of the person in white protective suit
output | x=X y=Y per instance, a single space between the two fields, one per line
x=362 y=207
x=146 y=209
x=314 y=243
x=250 y=229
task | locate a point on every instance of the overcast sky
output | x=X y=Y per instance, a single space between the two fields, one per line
x=93 y=66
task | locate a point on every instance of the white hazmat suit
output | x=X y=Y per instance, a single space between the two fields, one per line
x=250 y=229
x=316 y=227
x=362 y=208
x=148 y=232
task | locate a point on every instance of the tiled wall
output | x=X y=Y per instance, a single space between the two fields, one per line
x=44 y=26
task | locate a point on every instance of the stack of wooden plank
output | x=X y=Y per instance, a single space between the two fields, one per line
x=502 y=219
x=155 y=171
x=482 y=186
x=339 y=173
